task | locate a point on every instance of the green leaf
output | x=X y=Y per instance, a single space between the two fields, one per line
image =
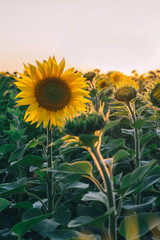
x=95 y=196
x=138 y=124
x=113 y=145
x=91 y=211
x=62 y=215
x=120 y=113
x=140 y=224
x=141 y=109
x=33 y=143
x=151 y=178
x=121 y=154
x=62 y=234
x=17 y=154
x=70 y=149
x=89 y=221
x=7 y=148
x=145 y=138
x=29 y=160
x=4 y=204
x=13 y=187
x=158 y=115
x=5 y=234
x=133 y=177
x=30 y=213
x=128 y=131
x=88 y=140
x=24 y=205
x=46 y=226
x=77 y=184
x=78 y=168
x=22 y=227
x=130 y=205
x=110 y=125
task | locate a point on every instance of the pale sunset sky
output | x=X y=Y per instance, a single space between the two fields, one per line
x=108 y=34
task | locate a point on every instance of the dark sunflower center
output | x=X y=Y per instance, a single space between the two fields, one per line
x=52 y=94
x=103 y=84
x=116 y=78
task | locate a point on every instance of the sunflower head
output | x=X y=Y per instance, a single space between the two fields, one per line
x=155 y=95
x=126 y=91
x=85 y=124
x=102 y=83
x=115 y=77
x=89 y=75
x=52 y=95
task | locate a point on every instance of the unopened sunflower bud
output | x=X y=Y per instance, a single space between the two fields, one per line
x=85 y=124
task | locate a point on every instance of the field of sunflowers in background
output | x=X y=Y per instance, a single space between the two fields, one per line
x=79 y=154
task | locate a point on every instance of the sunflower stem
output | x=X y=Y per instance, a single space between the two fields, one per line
x=97 y=102
x=105 y=174
x=50 y=174
x=35 y=196
x=137 y=146
x=136 y=136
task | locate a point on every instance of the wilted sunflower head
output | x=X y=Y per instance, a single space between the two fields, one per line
x=155 y=95
x=102 y=83
x=115 y=77
x=52 y=95
x=126 y=91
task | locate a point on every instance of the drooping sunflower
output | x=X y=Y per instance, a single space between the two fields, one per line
x=115 y=77
x=102 y=83
x=52 y=95
x=126 y=90
x=154 y=94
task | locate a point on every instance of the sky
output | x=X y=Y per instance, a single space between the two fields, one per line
x=110 y=35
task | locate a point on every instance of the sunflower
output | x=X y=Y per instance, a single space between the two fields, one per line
x=116 y=77
x=126 y=91
x=102 y=83
x=154 y=95
x=52 y=96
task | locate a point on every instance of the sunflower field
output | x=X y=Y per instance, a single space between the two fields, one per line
x=79 y=154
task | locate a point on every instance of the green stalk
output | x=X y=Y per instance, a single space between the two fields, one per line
x=35 y=196
x=136 y=136
x=137 y=146
x=99 y=161
x=50 y=176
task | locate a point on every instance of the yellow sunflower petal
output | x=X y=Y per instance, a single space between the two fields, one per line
x=26 y=101
x=27 y=70
x=33 y=107
x=35 y=73
x=53 y=95
x=61 y=67
x=41 y=69
x=54 y=60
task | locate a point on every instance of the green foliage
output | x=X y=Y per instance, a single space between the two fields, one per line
x=80 y=209
x=88 y=221
x=14 y=187
x=78 y=168
x=142 y=223
x=4 y=204
x=138 y=124
x=21 y=228
x=136 y=176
